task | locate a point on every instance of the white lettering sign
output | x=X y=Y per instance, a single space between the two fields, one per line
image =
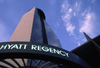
x=49 y=49
x=13 y=46
x=35 y=47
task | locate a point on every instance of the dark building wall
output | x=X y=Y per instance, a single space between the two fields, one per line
x=42 y=33
x=36 y=35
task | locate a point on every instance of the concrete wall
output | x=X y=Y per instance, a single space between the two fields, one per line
x=24 y=28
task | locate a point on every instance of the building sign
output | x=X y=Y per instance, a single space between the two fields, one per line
x=33 y=47
x=40 y=51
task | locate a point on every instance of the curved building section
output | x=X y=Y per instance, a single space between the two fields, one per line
x=46 y=54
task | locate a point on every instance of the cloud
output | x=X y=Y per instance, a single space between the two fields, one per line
x=78 y=43
x=87 y=24
x=70 y=10
x=77 y=6
x=88 y=10
x=92 y=1
x=70 y=28
x=74 y=14
x=78 y=20
x=66 y=17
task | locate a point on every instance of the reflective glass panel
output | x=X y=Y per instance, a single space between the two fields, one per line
x=52 y=38
x=36 y=35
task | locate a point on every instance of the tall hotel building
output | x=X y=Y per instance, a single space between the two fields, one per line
x=33 y=28
x=34 y=45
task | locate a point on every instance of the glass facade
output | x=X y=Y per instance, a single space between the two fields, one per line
x=36 y=35
x=42 y=33
x=51 y=37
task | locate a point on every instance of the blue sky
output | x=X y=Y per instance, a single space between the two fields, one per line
x=67 y=18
